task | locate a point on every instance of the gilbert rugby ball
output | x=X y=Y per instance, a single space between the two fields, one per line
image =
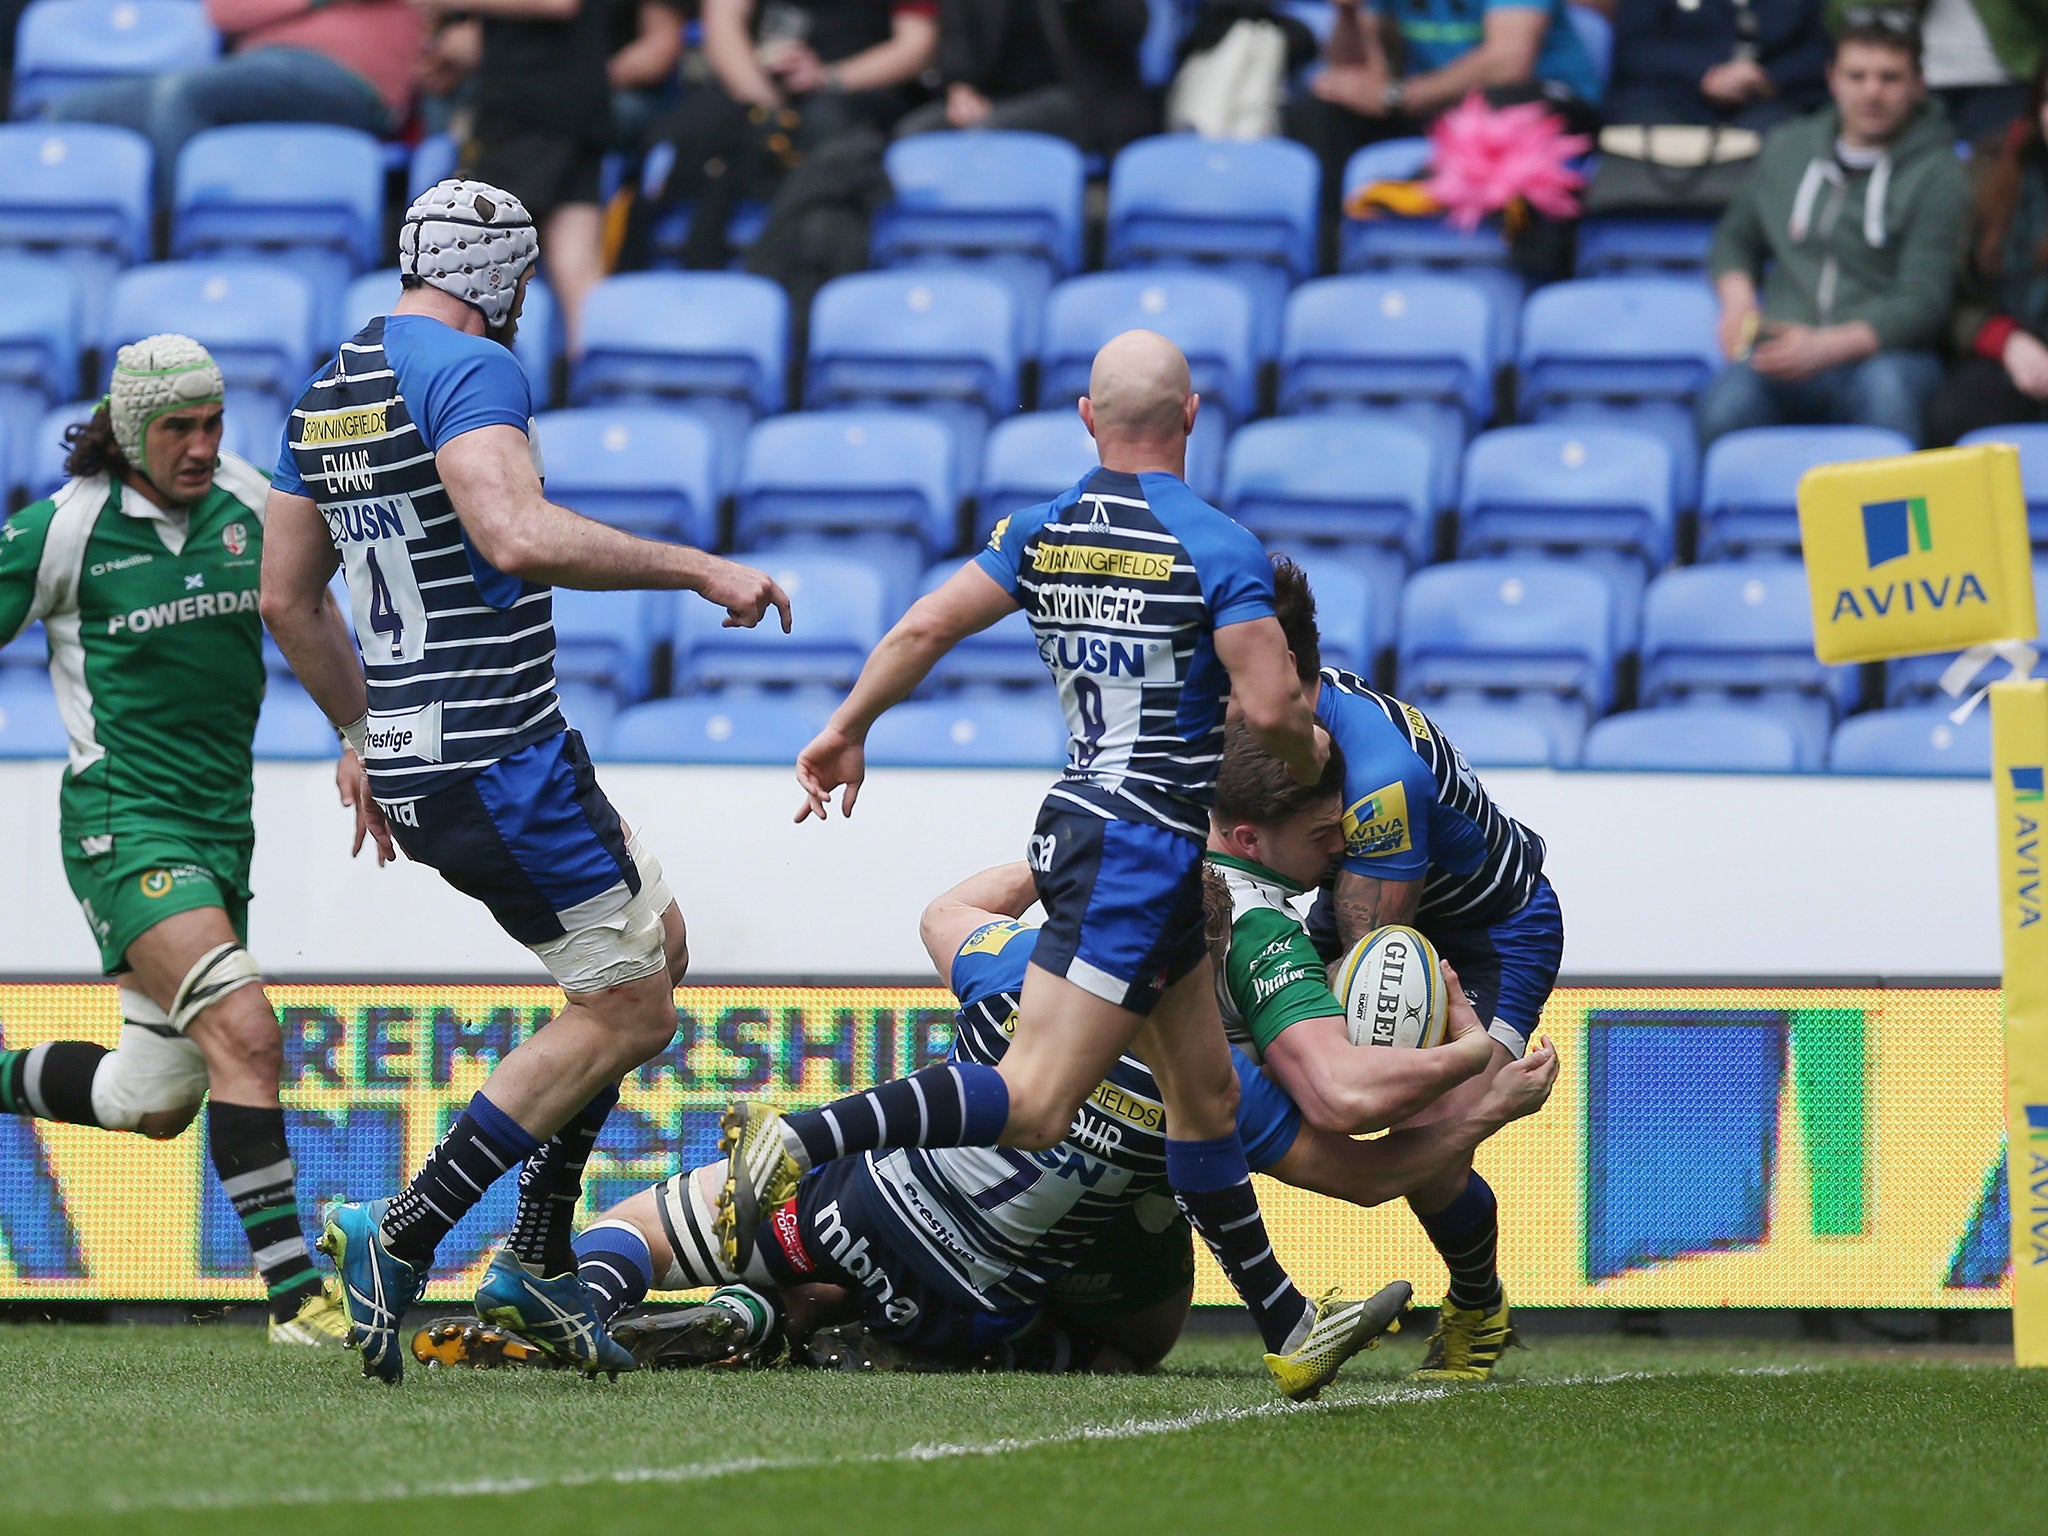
x=1392 y=990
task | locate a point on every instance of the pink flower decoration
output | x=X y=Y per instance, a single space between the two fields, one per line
x=1486 y=157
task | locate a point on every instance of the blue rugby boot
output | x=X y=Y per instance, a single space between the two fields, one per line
x=376 y=1286
x=556 y=1315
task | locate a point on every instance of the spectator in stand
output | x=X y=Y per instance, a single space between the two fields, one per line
x=1977 y=55
x=2003 y=315
x=1855 y=210
x=839 y=61
x=1065 y=67
x=1385 y=76
x=1744 y=63
x=289 y=61
x=546 y=112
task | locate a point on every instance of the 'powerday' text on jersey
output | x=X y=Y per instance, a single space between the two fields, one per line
x=156 y=650
x=994 y=1227
x=459 y=655
x=1126 y=579
x=1415 y=810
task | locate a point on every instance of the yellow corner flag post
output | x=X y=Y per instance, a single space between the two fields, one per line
x=1925 y=553
x=2019 y=758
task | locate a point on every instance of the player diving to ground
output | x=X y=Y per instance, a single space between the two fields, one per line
x=143 y=570
x=408 y=461
x=1152 y=610
x=1424 y=845
x=1068 y=1259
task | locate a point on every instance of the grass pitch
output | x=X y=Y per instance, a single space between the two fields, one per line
x=204 y=1429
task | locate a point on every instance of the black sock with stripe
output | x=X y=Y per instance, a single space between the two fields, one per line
x=1467 y=1233
x=1213 y=1185
x=550 y=1185
x=52 y=1081
x=952 y=1104
x=480 y=1148
x=254 y=1162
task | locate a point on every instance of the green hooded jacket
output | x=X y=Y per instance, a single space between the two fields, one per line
x=1879 y=245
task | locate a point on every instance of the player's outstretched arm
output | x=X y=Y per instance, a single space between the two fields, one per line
x=1007 y=890
x=489 y=476
x=969 y=601
x=1266 y=692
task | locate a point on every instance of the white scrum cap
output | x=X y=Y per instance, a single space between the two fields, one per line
x=154 y=376
x=471 y=240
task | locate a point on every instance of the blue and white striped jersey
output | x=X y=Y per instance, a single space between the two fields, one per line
x=1415 y=810
x=995 y=1227
x=1126 y=579
x=459 y=655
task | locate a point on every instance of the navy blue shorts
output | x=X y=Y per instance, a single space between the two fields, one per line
x=833 y=1233
x=1508 y=968
x=1123 y=905
x=532 y=837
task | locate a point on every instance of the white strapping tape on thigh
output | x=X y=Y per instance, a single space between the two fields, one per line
x=223 y=969
x=620 y=948
x=147 y=1073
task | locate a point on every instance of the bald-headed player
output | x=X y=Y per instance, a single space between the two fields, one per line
x=1152 y=610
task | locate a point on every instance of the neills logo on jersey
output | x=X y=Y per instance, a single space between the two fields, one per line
x=207 y=605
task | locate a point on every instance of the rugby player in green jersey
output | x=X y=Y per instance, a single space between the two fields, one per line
x=143 y=570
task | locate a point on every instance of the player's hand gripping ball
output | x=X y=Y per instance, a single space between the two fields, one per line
x=1392 y=987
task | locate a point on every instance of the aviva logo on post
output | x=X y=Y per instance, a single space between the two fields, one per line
x=2026 y=784
x=1894 y=529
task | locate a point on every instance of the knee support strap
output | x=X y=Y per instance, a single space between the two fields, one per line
x=223 y=969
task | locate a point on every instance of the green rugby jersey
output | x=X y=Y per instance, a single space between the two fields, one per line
x=156 y=649
x=1270 y=976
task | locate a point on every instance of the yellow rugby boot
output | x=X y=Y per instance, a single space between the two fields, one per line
x=1467 y=1344
x=760 y=1174
x=471 y=1342
x=320 y=1322
x=1340 y=1330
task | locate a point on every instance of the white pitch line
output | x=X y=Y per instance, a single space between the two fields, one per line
x=1388 y=1395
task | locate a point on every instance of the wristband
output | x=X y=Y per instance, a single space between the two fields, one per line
x=1394 y=96
x=356 y=736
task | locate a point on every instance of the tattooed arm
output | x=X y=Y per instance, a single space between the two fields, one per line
x=1364 y=903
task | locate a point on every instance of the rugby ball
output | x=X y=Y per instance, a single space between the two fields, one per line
x=1392 y=990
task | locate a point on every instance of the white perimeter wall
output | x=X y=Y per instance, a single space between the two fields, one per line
x=1660 y=875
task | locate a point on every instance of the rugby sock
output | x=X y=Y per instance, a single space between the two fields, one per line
x=753 y=1309
x=1467 y=1232
x=1212 y=1183
x=953 y=1104
x=52 y=1081
x=254 y=1162
x=480 y=1147
x=550 y=1185
x=613 y=1262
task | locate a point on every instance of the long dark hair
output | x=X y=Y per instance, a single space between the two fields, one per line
x=2023 y=154
x=90 y=449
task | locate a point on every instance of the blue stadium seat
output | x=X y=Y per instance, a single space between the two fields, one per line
x=1695 y=738
x=433 y=160
x=944 y=342
x=1643 y=246
x=1536 y=633
x=29 y=723
x=1410 y=345
x=1637 y=350
x=1003 y=655
x=38 y=352
x=843 y=610
x=1005 y=204
x=537 y=344
x=1917 y=679
x=1712 y=632
x=643 y=468
x=1601 y=494
x=307 y=195
x=291 y=725
x=1916 y=741
x=255 y=318
x=1491 y=736
x=733 y=727
x=1393 y=244
x=2031 y=438
x=1349 y=625
x=1245 y=207
x=1027 y=459
x=971 y=731
x=1208 y=317
x=78 y=193
x=605 y=640
x=60 y=45
x=877 y=480
x=1343 y=485
x=1749 y=484
x=28 y=651
x=716 y=343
